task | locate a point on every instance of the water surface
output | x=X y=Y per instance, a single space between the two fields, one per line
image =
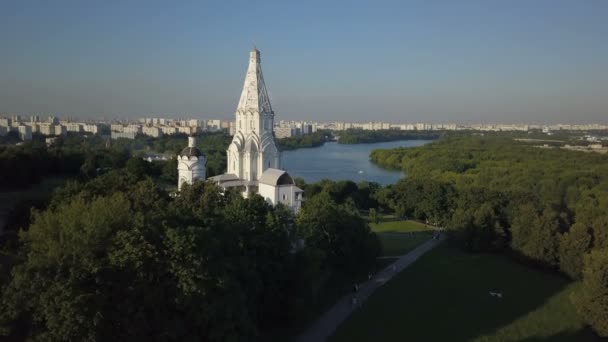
x=342 y=161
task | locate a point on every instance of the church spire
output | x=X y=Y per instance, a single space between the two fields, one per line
x=254 y=97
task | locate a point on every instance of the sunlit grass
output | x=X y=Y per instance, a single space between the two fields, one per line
x=401 y=226
x=399 y=237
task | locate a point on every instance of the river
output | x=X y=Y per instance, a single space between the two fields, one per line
x=342 y=161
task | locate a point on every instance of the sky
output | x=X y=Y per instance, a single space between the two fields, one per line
x=510 y=61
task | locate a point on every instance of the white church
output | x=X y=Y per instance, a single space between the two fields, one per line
x=254 y=162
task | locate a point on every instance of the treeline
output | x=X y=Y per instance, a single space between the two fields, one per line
x=359 y=136
x=212 y=144
x=548 y=208
x=86 y=156
x=28 y=164
x=361 y=195
x=303 y=141
x=118 y=258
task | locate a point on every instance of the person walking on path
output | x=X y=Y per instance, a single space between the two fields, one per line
x=330 y=320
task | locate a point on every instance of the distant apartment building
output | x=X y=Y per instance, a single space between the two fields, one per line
x=306 y=128
x=136 y=129
x=123 y=135
x=121 y=131
x=60 y=130
x=91 y=128
x=186 y=130
x=117 y=128
x=225 y=124
x=285 y=132
x=6 y=122
x=214 y=125
x=47 y=129
x=25 y=132
x=169 y=130
x=73 y=127
x=152 y=131
x=35 y=126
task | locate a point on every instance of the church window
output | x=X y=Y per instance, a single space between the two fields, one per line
x=283 y=197
x=240 y=124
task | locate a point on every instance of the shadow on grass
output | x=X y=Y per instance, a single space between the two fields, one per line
x=336 y=287
x=445 y=297
x=398 y=243
x=585 y=334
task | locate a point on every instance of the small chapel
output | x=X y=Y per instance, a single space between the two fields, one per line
x=254 y=162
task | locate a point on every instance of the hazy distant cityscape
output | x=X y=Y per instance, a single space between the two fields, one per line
x=25 y=126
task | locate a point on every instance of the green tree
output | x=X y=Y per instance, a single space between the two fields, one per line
x=138 y=167
x=537 y=236
x=68 y=246
x=339 y=231
x=573 y=246
x=591 y=299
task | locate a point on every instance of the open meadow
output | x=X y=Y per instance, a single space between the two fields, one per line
x=445 y=296
x=400 y=236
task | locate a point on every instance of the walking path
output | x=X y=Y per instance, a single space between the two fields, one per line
x=327 y=324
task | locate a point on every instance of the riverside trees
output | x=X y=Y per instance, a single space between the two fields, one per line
x=549 y=207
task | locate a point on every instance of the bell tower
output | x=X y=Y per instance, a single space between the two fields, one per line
x=253 y=148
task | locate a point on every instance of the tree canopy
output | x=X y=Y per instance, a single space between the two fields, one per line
x=118 y=258
x=546 y=207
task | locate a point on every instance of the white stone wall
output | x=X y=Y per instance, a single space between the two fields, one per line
x=284 y=194
x=190 y=169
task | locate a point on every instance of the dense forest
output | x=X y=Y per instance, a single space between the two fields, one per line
x=303 y=141
x=116 y=257
x=548 y=208
x=359 y=136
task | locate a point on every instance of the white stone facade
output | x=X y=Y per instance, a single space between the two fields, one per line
x=191 y=164
x=253 y=159
x=253 y=149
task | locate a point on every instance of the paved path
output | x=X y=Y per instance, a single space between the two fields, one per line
x=329 y=322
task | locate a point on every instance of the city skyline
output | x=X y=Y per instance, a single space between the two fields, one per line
x=441 y=62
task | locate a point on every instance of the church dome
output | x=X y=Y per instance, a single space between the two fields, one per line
x=191 y=150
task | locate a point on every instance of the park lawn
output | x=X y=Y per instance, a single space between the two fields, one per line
x=444 y=296
x=403 y=226
x=400 y=237
x=396 y=244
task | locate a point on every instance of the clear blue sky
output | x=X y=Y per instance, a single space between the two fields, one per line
x=400 y=61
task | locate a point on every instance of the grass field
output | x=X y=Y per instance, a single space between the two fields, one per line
x=395 y=244
x=399 y=226
x=445 y=297
x=400 y=237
